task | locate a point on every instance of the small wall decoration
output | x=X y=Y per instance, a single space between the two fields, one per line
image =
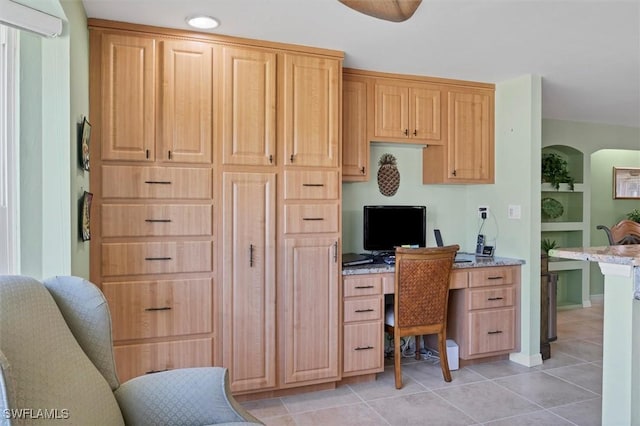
x=85 y=134
x=388 y=175
x=85 y=216
x=626 y=182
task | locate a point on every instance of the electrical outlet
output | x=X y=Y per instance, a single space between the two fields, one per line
x=483 y=212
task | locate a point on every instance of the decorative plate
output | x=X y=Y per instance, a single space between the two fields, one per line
x=551 y=208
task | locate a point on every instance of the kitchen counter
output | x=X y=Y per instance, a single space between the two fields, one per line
x=473 y=262
x=620 y=266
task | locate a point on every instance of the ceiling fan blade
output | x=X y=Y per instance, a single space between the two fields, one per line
x=389 y=10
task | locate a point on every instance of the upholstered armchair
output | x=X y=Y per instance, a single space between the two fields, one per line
x=56 y=362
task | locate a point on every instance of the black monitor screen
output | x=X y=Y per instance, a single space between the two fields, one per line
x=387 y=227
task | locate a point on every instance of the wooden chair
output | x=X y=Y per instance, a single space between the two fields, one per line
x=420 y=302
x=624 y=232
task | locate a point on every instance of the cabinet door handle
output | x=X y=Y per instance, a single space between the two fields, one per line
x=313 y=218
x=158 y=182
x=406 y=132
x=251 y=255
x=146 y=153
x=364 y=286
x=495 y=332
x=169 y=154
x=270 y=159
x=364 y=310
x=156 y=371
x=158 y=220
x=415 y=132
x=495 y=278
x=335 y=251
x=363 y=348
x=453 y=173
x=495 y=298
x=313 y=184
x=157 y=258
x=291 y=158
x=362 y=170
x=163 y=308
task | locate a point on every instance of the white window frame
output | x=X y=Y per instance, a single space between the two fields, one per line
x=9 y=153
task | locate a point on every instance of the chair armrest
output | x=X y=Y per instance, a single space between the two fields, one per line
x=187 y=396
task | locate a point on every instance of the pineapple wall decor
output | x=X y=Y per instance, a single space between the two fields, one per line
x=388 y=175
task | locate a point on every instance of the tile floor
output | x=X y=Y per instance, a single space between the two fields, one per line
x=565 y=390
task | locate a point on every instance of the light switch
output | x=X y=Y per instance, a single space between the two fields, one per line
x=513 y=212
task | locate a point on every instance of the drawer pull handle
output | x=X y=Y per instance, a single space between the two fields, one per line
x=495 y=278
x=364 y=310
x=163 y=308
x=313 y=218
x=363 y=348
x=313 y=184
x=158 y=220
x=158 y=182
x=156 y=371
x=364 y=286
x=250 y=255
x=495 y=298
x=157 y=258
x=495 y=332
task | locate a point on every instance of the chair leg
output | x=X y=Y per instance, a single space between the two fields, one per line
x=418 y=339
x=444 y=361
x=397 y=355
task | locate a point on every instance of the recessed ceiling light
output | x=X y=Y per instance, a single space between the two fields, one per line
x=202 y=22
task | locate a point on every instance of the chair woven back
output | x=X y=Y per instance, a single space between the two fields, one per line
x=422 y=285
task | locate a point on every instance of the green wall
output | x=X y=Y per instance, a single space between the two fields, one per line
x=453 y=208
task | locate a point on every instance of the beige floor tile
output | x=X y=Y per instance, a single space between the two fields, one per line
x=580 y=349
x=384 y=386
x=558 y=359
x=580 y=330
x=348 y=415
x=262 y=408
x=545 y=390
x=585 y=413
x=430 y=376
x=537 y=418
x=493 y=370
x=319 y=400
x=420 y=408
x=589 y=376
x=279 y=421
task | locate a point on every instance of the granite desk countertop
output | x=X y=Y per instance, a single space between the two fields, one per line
x=621 y=255
x=473 y=262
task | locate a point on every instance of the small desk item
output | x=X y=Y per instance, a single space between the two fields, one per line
x=460 y=257
x=353 y=259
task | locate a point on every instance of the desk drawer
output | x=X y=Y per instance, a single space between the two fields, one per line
x=310 y=218
x=363 y=347
x=156 y=182
x=148 y=358
x=159 y=308
x=155 y=258
x=311 y=185
x=362 y=285
x=155 y=220
x=492 y=276
x=498 y=297
x=492 y=331
x=363 y=309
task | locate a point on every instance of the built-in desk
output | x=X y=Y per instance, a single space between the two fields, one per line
x=483 y=317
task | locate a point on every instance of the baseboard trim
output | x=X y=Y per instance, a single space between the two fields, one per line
x=526 y=360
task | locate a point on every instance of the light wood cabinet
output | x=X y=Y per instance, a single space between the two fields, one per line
x=355 y=143
x=249 y=271
x=484 y=318
x=248 y=106
x=187 y=102
x=408 y=113
x=309 y=318
x=128 y=81
x=310 y=111
x=468 y=156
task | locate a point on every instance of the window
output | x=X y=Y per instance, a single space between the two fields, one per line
x=9 y=161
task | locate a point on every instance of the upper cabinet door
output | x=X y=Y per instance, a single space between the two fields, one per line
x=424 y=113
x=187 y=102
x=128 y=98
x=471 y=151
x=311 y=105
x=355 y=145
x=391 y=111
x=248 y=107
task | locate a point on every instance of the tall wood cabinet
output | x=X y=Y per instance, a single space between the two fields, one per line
x=216 y=213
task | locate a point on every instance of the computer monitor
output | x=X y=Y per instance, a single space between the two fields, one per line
x=388 y=227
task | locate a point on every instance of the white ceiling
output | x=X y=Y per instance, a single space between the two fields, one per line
x=587 y=52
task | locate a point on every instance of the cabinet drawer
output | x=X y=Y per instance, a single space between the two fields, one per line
x=310 y=218
x=155 y=220
x=362 y=285
x=155 y=258
x=492 y=276
x=492 y=297
x=363 y=309
x=147 y=358
x=458 y=279
x=159 y=308
x=363 y=347
x=156 y=182
x=311 y=185
x=492 y=331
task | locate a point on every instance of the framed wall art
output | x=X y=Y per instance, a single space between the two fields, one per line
x=626 y=182
x=85 y=132
x=85 y=216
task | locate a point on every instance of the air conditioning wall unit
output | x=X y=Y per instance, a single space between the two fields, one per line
x=25 y=18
